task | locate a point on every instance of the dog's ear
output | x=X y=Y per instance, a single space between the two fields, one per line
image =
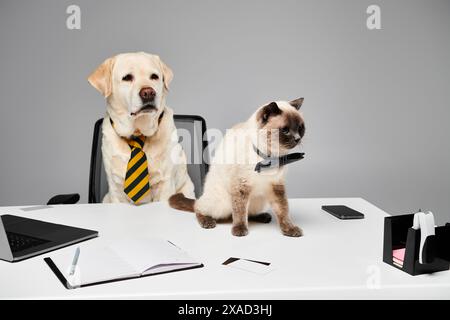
x=297 y=103
x=167 y=73
x=268 y=111
x=101 y=78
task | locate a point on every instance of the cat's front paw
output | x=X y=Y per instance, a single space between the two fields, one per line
x=292 y=231
x=239 y=230
x=206 y=222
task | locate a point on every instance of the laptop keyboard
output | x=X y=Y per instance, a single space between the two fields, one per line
x=19 y=242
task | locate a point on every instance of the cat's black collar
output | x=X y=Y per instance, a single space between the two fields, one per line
x=269 y=162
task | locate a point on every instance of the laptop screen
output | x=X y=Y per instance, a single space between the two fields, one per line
x=5 y=250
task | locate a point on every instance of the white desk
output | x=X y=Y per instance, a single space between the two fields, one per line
x=334 y=260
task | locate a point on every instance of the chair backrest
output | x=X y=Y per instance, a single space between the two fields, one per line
x=191 y=133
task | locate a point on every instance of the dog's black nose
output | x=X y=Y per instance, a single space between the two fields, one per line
x=147 y=94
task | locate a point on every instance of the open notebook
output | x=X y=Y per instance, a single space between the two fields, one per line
x=100 y=262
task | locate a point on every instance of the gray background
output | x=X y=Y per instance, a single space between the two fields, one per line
x=376 y=102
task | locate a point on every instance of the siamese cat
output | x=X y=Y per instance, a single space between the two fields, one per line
x=233 y=188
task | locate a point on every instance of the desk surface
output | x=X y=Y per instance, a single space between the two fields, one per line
x=336 y=259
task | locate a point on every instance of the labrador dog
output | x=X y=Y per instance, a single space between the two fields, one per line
x=135 y=86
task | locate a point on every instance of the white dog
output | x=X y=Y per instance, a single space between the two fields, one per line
x=135 y=87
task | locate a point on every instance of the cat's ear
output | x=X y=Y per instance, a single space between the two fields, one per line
x=297 y=103
x=268 y=111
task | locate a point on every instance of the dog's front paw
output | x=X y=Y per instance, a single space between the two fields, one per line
x=206 y=222
x=239 y=230
x=292 y=231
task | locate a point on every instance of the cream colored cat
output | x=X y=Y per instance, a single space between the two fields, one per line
x=233 y=188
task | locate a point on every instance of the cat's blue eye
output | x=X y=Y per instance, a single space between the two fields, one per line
x=285 y=130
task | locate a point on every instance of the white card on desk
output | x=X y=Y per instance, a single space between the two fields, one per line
x=250 y=266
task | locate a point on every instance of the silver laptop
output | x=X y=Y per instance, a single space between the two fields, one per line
x=22 y=238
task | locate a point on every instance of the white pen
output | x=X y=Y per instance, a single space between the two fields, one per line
x=74 y=261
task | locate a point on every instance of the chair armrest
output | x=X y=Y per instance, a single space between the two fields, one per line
x=70 y=198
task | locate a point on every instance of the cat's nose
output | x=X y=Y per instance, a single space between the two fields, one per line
x=297 y=140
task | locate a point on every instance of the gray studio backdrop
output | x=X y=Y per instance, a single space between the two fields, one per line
x=376 y=101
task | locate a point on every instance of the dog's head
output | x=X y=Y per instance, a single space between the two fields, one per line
x=135 y=85
x=281 y=126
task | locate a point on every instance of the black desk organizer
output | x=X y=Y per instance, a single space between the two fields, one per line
x=398 y=233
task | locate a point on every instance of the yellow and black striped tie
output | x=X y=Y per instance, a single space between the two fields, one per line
x=137 y=181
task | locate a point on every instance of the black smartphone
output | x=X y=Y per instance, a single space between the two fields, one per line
x=343 y=212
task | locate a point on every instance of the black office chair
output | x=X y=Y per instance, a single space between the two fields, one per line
x=194 y=148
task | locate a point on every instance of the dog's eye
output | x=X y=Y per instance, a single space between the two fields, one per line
x=154 y=76
x=285 y=130
x=128 y=77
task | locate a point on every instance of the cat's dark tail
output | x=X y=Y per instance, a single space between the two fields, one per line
x=180 y=202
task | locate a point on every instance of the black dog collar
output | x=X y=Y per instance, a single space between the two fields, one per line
x=275 y=162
